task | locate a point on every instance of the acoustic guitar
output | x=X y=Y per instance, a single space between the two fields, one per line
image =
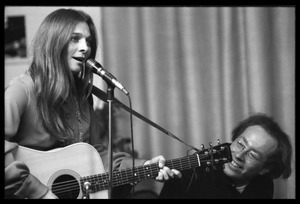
x=75 y=171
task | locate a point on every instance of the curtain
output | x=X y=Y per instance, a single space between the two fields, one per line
x=198 y=71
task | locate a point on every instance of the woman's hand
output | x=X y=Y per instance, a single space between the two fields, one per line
x=49 y=195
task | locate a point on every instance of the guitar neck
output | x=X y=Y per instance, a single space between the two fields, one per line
x=125 y=176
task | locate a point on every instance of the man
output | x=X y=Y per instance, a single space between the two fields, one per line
x=261 y=152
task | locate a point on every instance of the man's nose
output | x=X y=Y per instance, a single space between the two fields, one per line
x=241 y=154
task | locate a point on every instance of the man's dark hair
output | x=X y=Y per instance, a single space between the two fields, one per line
x=279 y=162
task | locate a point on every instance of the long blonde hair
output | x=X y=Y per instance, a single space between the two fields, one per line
x=53 y=79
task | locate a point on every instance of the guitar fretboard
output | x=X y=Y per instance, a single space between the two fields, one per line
x=124 y=176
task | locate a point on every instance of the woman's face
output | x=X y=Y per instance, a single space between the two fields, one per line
x=79 y=48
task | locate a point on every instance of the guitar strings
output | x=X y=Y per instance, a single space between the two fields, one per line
x=65 y=186
x=100 y=181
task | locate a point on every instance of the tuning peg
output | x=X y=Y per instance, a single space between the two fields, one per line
x=218 y=141
x=210 y=145
x=202 y=146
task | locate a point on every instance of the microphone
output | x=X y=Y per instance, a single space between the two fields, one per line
x=108 y=77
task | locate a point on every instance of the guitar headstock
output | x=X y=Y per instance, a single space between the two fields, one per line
x=215 y=156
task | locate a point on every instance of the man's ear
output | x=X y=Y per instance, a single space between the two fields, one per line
x=264 y=171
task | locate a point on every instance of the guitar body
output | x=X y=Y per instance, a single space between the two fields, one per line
x=61 y=169
x=66 y=170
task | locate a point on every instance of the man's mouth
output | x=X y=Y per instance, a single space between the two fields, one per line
x=233 y=163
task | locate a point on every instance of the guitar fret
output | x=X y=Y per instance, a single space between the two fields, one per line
x=183 y=163
x=135 y=173
x=105 y=181
x=141 y=172
x=148 y=171
x=116 y=178
x=125 y=178
x=102 y=182
x=142 y=168
x=138 y=173
x=95 y=181
x=129 y=175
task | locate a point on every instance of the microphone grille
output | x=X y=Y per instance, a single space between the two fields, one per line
x=90 y=63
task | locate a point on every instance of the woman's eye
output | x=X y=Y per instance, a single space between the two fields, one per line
x=89 y=42
x=74 y=39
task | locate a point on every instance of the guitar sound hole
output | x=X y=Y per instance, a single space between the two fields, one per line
x=66 y=187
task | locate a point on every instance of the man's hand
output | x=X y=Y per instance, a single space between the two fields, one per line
x=165 y=173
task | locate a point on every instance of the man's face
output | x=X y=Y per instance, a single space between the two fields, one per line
x=249 y=154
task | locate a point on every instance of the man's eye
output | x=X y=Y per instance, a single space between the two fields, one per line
x=252 y=155
x=255 y=156
x=240 y=142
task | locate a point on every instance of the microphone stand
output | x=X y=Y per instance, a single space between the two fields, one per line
x=110 y=98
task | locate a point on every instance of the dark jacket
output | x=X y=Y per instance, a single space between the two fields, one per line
x=214 y=184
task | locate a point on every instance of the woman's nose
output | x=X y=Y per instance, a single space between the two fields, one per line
x=83 y=46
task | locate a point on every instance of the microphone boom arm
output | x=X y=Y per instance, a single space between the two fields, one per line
x=103 y=96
